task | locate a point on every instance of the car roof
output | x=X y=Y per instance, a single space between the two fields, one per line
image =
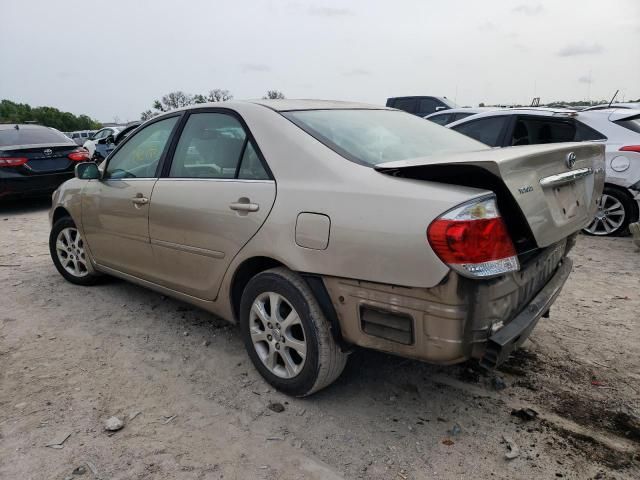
x=286 y=105
x=21 y=126
x=461 y=110
x=539 y=111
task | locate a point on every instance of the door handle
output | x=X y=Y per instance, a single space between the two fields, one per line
x=140 y=200
x=244 y=205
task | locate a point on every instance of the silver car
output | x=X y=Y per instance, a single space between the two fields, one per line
x=317 y=226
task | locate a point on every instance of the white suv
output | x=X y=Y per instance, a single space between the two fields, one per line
x=618 y=128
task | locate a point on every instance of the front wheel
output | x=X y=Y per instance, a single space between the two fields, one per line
x=68 y=253
x=286 y=334
x=616 y=210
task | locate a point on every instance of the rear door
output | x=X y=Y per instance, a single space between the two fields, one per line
x=115 y=209
x=211 y=200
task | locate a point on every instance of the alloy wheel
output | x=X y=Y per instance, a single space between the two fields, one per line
x=70 y=252
x=609 y=217
x=278 y=335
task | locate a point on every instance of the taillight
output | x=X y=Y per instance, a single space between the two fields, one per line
x=630 y=148
x=12 y=161
x=473 y=240
x=79 y=155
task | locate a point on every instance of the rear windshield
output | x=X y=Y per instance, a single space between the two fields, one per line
x=371 y=137
x=631 y=123
x=31 y=136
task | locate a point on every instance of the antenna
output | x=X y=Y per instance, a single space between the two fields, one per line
x=613 y=98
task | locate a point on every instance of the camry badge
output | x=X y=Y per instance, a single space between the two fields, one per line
x=48 y=152
x=571 y=159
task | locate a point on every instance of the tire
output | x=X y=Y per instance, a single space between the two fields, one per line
x=68 y=254
x=266 y=339
x=616 y=210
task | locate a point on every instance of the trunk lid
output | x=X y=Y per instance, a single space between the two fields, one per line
x=43 y=158
x=555 y=187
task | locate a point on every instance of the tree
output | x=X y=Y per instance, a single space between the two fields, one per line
x=274 y=95
x=179 y=99
x=173 y=100
x=147 y=114
x=11 y=112
x=218 y=95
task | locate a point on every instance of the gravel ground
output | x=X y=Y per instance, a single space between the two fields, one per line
x=194 y=408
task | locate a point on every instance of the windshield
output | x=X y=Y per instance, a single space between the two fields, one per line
x=29 y=135
x=371 y=137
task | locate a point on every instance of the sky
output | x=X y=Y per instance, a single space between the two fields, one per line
x=111 y=59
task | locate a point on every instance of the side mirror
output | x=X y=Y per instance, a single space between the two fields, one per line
x=440 y=108
x=87 y=171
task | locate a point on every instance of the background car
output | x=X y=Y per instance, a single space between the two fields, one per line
x=386 y=232
x=103 y=134
x=105 y=145
x=80 y=136
x=619 y=129
x=631 y=105
x=442 y=117
x=35 y=160
x=420 y=105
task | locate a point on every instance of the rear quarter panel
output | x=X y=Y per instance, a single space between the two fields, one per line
x=378 y=222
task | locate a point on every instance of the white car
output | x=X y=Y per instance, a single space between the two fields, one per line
x=617 y=128
x=442 y=117
x=106 y=132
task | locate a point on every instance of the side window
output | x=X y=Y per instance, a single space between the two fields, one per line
x=139 y=157
x=406 y=104
x=210 y=147
x=98 y=135
x=251 y=167
x=485 y=130
x=460 y=116
x=535 y=131
x=585 y=133
x=441 y=119
x=427 y=106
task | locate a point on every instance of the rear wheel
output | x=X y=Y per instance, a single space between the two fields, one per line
x=286 y=334
x=616 y=209
x=68 y=253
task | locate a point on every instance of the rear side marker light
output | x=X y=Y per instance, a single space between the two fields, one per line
x=473 y=240
x=630 y=148
x=79 y=155
x=12 y=161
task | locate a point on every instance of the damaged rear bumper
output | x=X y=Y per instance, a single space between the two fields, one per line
x=456 y=320
x=511 y=336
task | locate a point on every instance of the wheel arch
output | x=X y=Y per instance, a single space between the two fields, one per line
x=59 y=213
x=255 y=265
x=245 y=272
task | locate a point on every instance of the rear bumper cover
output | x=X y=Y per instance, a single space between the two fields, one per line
x=456 y=320
x=509 y=337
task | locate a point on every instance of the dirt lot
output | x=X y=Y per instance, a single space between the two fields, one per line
x=71 y=357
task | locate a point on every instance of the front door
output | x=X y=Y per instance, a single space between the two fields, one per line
x=115 y=209
x=212 y=200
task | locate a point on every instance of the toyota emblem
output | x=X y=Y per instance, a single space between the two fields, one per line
x=48 y=152
x=571 y=159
